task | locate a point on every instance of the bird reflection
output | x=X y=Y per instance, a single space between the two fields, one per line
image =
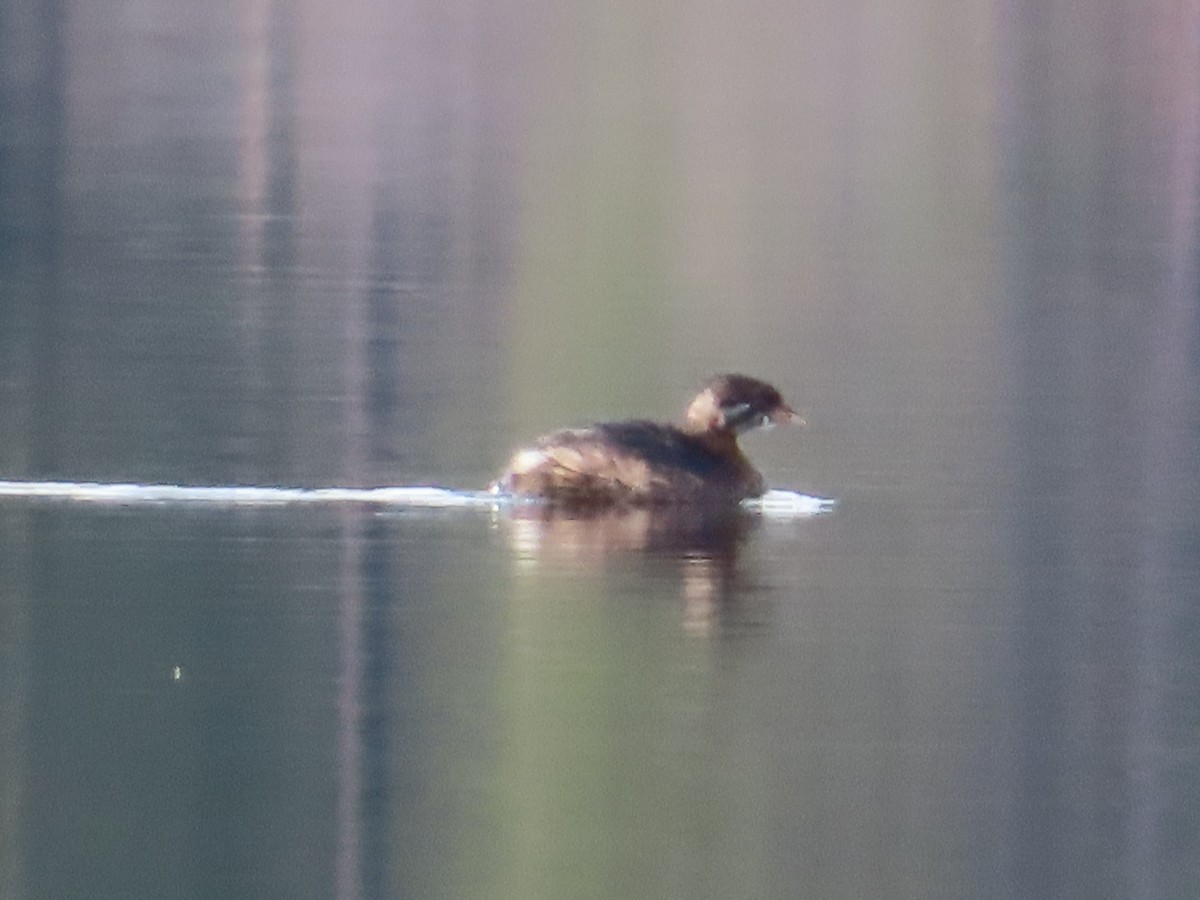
x=698 y=546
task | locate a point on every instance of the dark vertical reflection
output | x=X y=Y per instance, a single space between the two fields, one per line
x=1169 y=517
x=280 y=206
x=386 y=300
x=425 y=259
x=15 y=706
x=376 y=799
x=267 y=170
x=1098 y=129
x=32 y=145
x=32 y=70
x=267 y=233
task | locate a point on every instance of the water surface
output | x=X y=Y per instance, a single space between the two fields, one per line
x=284 y=248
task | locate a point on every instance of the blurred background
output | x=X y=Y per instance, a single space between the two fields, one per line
x=312 y=243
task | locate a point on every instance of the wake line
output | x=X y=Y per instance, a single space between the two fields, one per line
x=773 y=504
x=244 y=495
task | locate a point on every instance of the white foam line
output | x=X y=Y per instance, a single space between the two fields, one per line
x=243 y=495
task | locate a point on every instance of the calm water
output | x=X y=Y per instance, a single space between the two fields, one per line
x=301 y=244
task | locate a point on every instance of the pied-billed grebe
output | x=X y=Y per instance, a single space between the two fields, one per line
x=647 y=463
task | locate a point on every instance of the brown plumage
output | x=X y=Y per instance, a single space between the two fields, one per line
x=649 y=463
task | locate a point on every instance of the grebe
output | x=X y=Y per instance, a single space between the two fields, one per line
x=642 y=463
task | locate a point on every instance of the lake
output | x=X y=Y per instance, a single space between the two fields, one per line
x=299 y=246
